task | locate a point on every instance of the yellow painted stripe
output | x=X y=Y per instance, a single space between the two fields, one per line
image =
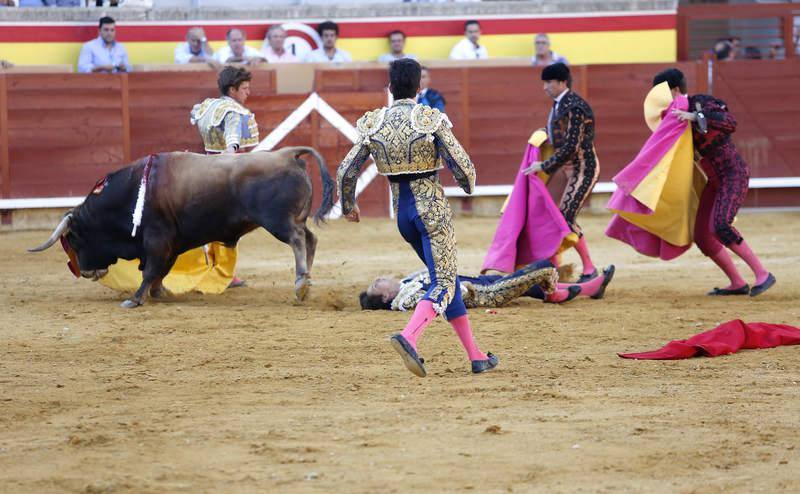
x=653 y=46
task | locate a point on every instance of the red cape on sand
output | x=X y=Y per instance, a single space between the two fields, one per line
x=726 y=338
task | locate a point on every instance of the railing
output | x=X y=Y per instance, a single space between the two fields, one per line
x=759 y=25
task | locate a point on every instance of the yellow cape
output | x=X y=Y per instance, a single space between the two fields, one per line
x=206 y=269
x=673 y=187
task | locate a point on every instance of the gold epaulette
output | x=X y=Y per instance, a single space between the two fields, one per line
x=538 y=138
x=427 y=120
x=370 y=123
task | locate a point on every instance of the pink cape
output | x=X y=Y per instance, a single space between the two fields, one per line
x=531 y=228
x=726 y=338
x=660 y=142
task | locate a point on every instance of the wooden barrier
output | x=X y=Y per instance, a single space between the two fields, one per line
x=38 y=69
x=59 y=133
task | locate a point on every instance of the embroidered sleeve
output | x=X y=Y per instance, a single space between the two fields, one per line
x=575 y=124
x=347 y=175
x=718 y=117
x=233 y=129
x=457 y=160
x=350 y=167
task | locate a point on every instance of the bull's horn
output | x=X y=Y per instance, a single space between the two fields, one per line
x=61 y=229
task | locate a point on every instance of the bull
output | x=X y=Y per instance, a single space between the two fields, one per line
x=188 y=200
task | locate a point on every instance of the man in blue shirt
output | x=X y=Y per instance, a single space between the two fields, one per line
x=104 y=53
x=427 y=96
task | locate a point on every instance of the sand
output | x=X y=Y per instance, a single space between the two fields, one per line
x=250 y=392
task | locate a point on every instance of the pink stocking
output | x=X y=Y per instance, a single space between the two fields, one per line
x=583 y=252
x=587 y=289
x=725 y=263
x=559 y=295
x=464 y=331
x=746 y=253
x=423 y=315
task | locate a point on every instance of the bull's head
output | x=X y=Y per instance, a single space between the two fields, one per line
x=82 y=260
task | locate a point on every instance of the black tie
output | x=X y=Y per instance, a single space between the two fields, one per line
x=551 y=119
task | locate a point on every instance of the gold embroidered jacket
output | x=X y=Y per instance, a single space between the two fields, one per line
x=405 y=138
x=223 y=122
x=493 y=294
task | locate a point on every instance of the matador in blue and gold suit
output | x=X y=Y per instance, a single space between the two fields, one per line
x=410 y=143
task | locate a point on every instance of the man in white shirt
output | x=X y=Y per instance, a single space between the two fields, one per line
x=329 y=32
x=196 y=48
x=468 y=48
x=273 y=48
x=397 y=46
x=237 y=51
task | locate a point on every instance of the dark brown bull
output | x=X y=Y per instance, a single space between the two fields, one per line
x=191 y=200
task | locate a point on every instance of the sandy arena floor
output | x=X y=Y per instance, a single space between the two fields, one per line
x=247 y=392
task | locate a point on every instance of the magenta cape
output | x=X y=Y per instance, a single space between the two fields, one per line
x=664 y=138
x=726 y=338
x=531 y=227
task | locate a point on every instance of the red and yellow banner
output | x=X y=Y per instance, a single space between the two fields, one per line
x=646 y=37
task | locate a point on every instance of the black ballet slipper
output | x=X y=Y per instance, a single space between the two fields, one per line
x=723 y=292
x=608 y=275
x=763 y=287
x=479 y=366
x=412 y=361
x=587 y=277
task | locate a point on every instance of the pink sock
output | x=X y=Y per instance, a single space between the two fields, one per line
x=583 y=252
x=587 y=289
x=423 y=315
x=725 y=263
x=558 y=296
x=746 y=253
x=464 y=332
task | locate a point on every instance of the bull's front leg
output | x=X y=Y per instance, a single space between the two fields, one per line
x=140 y=295
x=155 y=269
x=158 y=290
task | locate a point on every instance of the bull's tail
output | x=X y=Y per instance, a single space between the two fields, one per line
x=328 y=185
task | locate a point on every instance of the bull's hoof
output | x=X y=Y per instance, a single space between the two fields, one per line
x=130 y=304
x=301 y=288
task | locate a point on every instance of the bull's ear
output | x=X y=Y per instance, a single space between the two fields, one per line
x=61 y=229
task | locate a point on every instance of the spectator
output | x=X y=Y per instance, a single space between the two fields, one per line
x=752 y=53
x=428 y=96
x=774 y=52
x=329 y=32
x=543 y=55
x=274 y=49
x=5 y=64
x=7 y=3
x=397 y=46
x=237 y=50
x=722 y=50
x=468 y=48
x=195 y=49
x=104 y=53
x=736 y=43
